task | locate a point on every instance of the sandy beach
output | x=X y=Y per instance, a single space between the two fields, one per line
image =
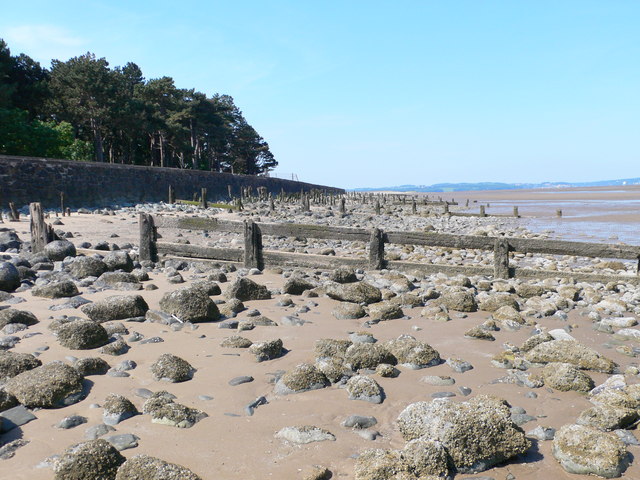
x=230 y=444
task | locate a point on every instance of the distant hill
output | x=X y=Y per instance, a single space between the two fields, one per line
x=461 y=187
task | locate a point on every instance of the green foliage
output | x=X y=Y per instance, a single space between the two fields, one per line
x=84 y=110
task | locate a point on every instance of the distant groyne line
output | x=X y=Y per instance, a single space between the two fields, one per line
x=28 y=179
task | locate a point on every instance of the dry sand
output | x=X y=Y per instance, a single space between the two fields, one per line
x=231 y=445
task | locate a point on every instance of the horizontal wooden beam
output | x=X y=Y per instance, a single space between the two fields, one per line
x=196 y=251
x=314 y=231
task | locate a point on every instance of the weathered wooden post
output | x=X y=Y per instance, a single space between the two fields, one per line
x=148 y=237
x=15 y=215
x=467 y=203
x=414 y=207
x=376 y=249
x=229 y=192
x=446 y=208
x=252 y=245
x=343 y=209
x=172 y=195
x=515 y=212
x=306 y=207
x=377 y=207
x=501 y=258
x=558 y=213
x=272 y=206
x=68 y=211
x=482 y=211
x=62 y=203
x=203 y=198
x=39 y=231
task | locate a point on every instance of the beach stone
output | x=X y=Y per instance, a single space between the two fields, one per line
x=302 y=378
x=262 y=321
x=9 y=277
x=362 y=337
x=144 y=467
x=385 y=311
x=91 y=366
x=459 y=365
x=235 y=381
x=58 y=250
x=116 y=307
x=245 y=289
x=508 y=313
x=528 y=290
x=367 y=355
x=477 y=434
x=565 y=377
x=71 y=422
x=542 y=433
x=118 y=347
x=305 y=434
x=619 y=322
x=316 y=472
x=535 y=340
x=460 y=301
x=236 y=341
x=585 y=450
x=118 y=260
x=7 y=401
x=269 y=350
x=359 y=421
x=12 y=364
x=175 y=414
x=92 y=460
x=359 y=292
x=297 y=285
x=171 y=368
x=231 y=307
x=361 y=387
x=438 y=380
x=123 y=441
x=52 y=385
x=117 y=408
x=83 y=267
x=190 y=305
x=479 y=333
x=118 y=280
x=82 y=335
x=574 y=353
x=343 y=275
x=62 y=289
x=12 y=315
x=348 y=311
x=412 y=353
x=15 y=417
x=494 y=301
x=8 y=240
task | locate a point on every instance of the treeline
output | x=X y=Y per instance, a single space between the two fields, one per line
x=82 y=109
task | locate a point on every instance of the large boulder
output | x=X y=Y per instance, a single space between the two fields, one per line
x=385 y=311
x=367 y=355
x=302 y=378
x=12 y=364
x=92 y=460
x=361 y=387
x=495 y=301
x=412 y=353
x=171 y=368
x=144 y=467
x=118 y=260
x=58 y=250
x=9 y=277
x=568 y=351
x=476 y=434
x=52 y=385
x=588 y=451
x=12 y=315
x=190 y=305
x=82 y=335
x=461 y=301
x=9 y=240
x=359 y=292
x=565 y=377
x=264 y=351
x=245 y=289
x=297 y=286
x=62 y=289
x=83 y=267
x=116 y=307
x=117 y=408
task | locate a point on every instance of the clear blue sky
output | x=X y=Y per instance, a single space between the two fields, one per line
x=380 y=93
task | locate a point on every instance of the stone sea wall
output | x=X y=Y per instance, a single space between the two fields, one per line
x=26 y=179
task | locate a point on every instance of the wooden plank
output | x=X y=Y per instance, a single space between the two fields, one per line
x=196 y=251
x=580 y=277
x=430 y=268
x=195 y=223
x=311 y=261
x=581 y=249
x=314 y=231
x=440 y=240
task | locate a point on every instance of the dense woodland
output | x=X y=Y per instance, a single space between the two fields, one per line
x=84 y=110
